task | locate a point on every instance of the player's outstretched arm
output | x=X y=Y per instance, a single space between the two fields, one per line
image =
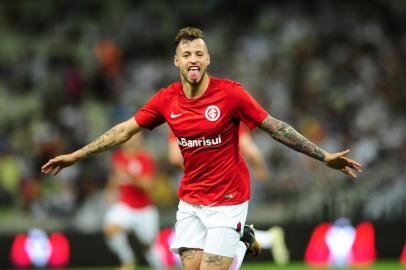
x=118 y=134
x=287 y=135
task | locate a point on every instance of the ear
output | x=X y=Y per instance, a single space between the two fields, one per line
x=175 y=61
x=208 y=59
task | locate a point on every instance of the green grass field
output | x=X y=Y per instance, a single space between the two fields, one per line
x=381 y=265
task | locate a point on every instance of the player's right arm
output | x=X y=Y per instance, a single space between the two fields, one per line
x=117 y=135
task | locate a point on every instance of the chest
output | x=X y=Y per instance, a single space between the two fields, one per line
x=200 y=117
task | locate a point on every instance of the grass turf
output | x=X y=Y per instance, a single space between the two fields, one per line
x=380 y=265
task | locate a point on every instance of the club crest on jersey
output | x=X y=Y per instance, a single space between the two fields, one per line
x=212 y=113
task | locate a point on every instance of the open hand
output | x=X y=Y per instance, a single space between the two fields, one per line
x=55 y=165
x=338 y=161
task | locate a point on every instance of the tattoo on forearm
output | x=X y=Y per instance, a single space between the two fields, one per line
x=287 y=135
x=187 y=254
x=102 y=143
x=213 y=259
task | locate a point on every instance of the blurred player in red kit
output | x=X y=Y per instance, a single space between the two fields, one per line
x=133 y=211
x=205 y=113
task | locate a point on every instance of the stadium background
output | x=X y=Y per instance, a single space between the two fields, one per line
x=335 y=70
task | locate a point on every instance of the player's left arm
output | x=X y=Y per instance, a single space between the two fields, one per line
x=284 y=133
x=250 y=150
x=174 y=154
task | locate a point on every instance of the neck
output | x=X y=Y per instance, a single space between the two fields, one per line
x=195 y=90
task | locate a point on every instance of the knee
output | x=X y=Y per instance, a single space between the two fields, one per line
x=215 y=262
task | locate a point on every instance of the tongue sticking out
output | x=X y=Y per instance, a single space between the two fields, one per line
x=193 y=74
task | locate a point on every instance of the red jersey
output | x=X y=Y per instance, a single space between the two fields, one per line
x=207 y=130
x=137 y=166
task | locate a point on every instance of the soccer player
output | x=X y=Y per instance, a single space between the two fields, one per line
x=273 y=238
x=205 y=113
x=132 y=176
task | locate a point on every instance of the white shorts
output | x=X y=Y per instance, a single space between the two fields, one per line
x=216 y=230
x=144 y=221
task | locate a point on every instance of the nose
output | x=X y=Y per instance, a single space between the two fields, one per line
x=193 y=59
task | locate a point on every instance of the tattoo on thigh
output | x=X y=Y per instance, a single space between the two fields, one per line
x=187 y=254
x=213 y=259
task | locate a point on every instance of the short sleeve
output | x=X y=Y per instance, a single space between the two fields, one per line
x=246 y=108
x=150 y=116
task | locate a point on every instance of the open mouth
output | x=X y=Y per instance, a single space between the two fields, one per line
x=193 y=72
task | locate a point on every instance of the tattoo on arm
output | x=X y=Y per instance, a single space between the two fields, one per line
x=213 y=259
x=287 y=135
x=103 y=143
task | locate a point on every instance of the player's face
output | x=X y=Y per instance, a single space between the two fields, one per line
x=192 y=59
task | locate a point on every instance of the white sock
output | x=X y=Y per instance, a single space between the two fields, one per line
x=119 y=244
x=239 y=256
x=264 y=238
x=153 y=259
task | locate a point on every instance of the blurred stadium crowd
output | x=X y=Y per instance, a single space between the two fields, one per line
x=335 y=70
